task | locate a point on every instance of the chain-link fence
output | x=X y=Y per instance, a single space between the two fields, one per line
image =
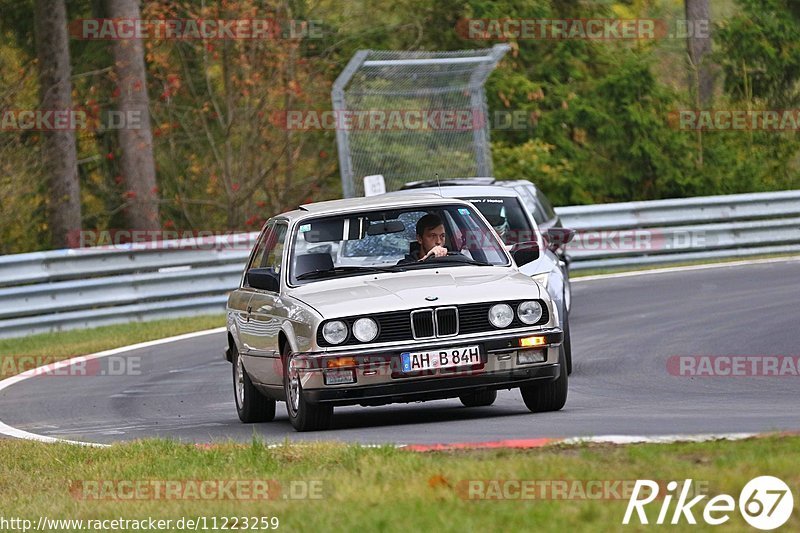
x=411 y=115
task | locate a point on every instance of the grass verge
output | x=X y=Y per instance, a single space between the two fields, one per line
x=379 y=489
x=20 y=354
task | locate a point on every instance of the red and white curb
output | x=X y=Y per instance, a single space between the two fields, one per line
x=602 y=439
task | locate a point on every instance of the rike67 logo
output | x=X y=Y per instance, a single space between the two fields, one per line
x=765 y=503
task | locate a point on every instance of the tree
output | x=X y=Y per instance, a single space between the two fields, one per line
x=698 y=42
x=58 y=147
x=228 y=158
x=135 y=137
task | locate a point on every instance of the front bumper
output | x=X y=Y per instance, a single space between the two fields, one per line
x=379 y=379
x=432 y=389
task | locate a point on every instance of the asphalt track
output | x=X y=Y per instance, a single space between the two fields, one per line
x=624 y=330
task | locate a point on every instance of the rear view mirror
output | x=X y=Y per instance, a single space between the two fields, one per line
x=265 y=279
x=525 y=252
x=384 y=227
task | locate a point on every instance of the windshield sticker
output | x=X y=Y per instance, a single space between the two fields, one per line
x=304 y=228
x=464 y=211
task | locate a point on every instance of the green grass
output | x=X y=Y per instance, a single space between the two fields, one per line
x=46 y=348
x=384 y=489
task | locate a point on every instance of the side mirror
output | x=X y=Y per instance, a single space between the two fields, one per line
x=558 y=237
x=265 y=279
x=525 y=252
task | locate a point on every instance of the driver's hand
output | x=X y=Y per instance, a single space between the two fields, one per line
x=436 y=251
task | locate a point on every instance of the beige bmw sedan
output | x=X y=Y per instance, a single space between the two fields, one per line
x=388 y=299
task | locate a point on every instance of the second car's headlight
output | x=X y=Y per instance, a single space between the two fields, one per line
x=335 y=331
x=365 y=329
x=501 y=315
x=529 y=312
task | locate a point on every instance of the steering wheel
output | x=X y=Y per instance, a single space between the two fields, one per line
x=449 y=254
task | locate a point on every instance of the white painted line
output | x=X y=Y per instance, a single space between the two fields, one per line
x=5 y=429
x=668 y=270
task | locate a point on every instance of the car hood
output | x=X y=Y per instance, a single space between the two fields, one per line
x=377 y=293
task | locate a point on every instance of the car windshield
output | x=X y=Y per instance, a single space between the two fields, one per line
x=385 y=240
x=507 y=217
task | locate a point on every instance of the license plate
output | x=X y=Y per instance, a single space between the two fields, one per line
x=444 y=358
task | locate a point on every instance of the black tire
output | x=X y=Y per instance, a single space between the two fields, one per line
x=304 y=416
x=252 y=406
x=567 y=344
x=550 y=396
x=478 y=399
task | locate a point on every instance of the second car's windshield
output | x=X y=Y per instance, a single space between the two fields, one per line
x=507 y=217
x=386 y=240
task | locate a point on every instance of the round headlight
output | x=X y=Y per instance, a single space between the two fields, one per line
x=529 y=312
x=501 y=315
x=365 y=329
x=335 y=331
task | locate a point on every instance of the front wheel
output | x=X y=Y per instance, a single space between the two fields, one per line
x=550 y=396
x=304 y=416
x=251 y=405
x=478 y=399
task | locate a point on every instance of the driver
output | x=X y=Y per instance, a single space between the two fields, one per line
x=430 y=236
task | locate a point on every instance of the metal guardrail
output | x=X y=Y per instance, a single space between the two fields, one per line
x=668 y=231
x=89 y=287
x=79 y=288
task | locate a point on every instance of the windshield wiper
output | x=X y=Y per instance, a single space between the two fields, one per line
x=478 y=263
x=316 y=274
x=455 y=259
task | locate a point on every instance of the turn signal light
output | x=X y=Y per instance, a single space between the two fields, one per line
x=528 y=342
x=340 y=362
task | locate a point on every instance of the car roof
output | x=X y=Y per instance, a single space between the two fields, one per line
x=459 y=191
x=370 y=202
x=465 y=182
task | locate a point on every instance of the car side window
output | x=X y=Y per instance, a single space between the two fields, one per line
x=529 y=201
x=547 y=207
x=273 y=255
x=258 y=254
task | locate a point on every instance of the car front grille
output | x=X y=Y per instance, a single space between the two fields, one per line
x=422 y=326
x=446 y=321
x=431 y=323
